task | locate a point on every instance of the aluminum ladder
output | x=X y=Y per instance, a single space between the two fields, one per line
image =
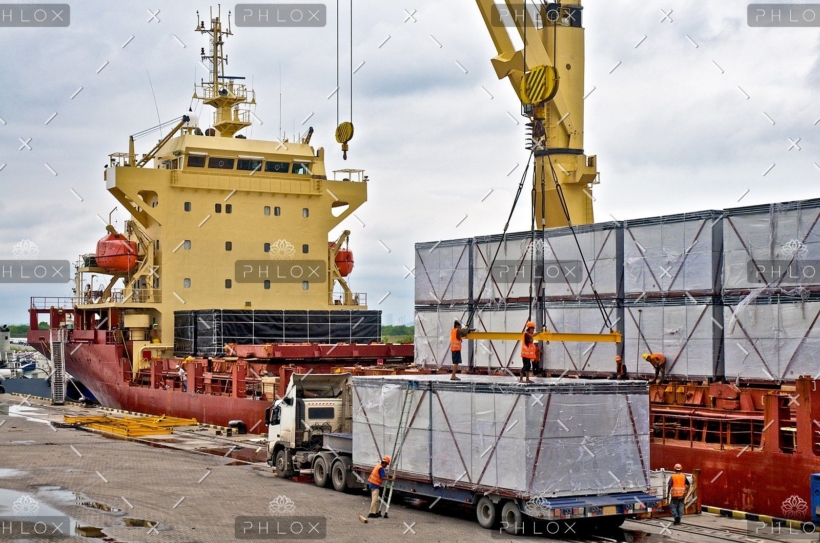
x=58 y=378
x=401 y=435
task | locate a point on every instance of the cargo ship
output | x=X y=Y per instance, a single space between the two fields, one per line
x=223 y=279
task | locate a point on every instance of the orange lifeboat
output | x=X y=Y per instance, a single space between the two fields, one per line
x=116 y=253
x=344 y=261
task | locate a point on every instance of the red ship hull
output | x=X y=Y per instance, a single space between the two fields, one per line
x=103 y=370
x=756 y=446
x=765 y=483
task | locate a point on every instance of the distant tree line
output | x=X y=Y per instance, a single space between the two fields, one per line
x=20 y=330
x=397 y=334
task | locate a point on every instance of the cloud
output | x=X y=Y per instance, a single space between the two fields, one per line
x=670 y=125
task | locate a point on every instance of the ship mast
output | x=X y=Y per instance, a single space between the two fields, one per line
x=222 y=92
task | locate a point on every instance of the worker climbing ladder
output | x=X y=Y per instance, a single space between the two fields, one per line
x=58 y=379
x=401 y=435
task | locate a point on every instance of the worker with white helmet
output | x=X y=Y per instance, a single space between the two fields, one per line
x=678 y=488
x=529 y=353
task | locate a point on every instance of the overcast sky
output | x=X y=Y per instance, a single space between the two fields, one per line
x=686 y=114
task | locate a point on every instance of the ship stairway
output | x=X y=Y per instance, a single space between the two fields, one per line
x=58 y=377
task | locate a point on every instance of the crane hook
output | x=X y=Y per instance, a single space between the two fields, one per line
x=344 y=133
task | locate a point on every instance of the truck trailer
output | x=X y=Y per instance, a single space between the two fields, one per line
x=552 y=450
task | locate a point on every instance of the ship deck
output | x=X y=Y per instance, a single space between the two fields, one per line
x=162 y=488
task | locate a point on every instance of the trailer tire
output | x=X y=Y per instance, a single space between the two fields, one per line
x=512 y=521
x=338 y=475
x=320 y=473
x=281 y=465
x=486 y=513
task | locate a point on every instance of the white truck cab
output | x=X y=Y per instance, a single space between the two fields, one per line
x=313 y=406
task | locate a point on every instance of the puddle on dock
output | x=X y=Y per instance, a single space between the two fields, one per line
x=28 y=413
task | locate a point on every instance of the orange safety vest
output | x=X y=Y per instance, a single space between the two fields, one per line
x=528 y=351
x=657 y=360
x=455 y=340
x=374 y=476
x=678 y=485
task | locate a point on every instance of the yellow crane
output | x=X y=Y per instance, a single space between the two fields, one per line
x=547 y=74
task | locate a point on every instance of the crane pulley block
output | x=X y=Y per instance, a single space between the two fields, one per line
x=539 y=85
x=344 y=133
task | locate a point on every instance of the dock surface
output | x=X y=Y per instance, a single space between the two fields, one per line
x=191 y=486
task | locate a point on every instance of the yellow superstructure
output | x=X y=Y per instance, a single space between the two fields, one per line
x=555 y=39
x=205 y=198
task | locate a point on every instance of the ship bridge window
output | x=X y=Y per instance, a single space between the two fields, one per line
x=186 y=282
x=221 y=163
x=187 y=206
x=277 y=211
x=277 y=167
x=217 y=208
x=228 y=246
x=187 y=244
x=266 y=210
x=196 y=161
x=300 y=169
x=305 y=212
x=248 y=165
x=228 y=208
x=227 y=283
x=305 y=248
x=267 y=284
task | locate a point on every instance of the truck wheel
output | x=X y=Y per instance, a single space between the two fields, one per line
x=282 y=464
x=486 y=513
x=511 y=518
x=320 y=475
x=338 y=475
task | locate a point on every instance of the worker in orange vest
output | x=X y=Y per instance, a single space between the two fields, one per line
x=529 y=352
x=456 y=335
x=620 y=368
x=678 y=487
x=374 y=483
x=658 y=362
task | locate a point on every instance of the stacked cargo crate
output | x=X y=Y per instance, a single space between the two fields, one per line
x=771 y=288
x=672 y=284
x=731 y=294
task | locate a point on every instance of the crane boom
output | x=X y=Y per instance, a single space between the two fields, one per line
x=553 y=37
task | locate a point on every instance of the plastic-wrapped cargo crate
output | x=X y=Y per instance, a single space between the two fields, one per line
x=576 y=357
x=510 y=279
x=442 y=272
x=558 y=264
x=771 y=337
x=432 y=335
x=552 y=438
x=772 y=238
x=687 y=331
x=673 y=254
